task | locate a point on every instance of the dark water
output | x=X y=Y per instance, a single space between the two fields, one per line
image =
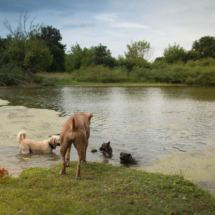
x=147 y=122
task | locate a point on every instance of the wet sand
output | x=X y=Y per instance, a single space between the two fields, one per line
x=197 y=165
x=39 y=124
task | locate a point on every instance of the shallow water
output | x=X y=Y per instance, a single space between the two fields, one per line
x=148 y=122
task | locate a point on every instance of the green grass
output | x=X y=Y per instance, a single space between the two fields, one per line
x=201 y=73
x=104 y=189
x=59 y=79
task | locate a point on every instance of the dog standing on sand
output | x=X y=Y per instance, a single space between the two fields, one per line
x=76 y=131
x=28 y=146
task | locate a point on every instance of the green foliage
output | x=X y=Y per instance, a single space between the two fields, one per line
x=13 y=76
x=52 y=37
x=140 y=49
x=38 y=58
x=205 y=46
x=193 y=55
x=32 y=55
x=100 y=74
x=199 y=72
x=77 y=58
x=158 y=59
x=174 y=54
x=102 y=56
x=81 y=58
x=132 y=63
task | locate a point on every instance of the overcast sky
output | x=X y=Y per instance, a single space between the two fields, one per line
x=115 y=23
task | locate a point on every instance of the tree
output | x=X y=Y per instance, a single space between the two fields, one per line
x=24 y=49
x=77 y=58
x=193 y=55
x=140 y=49
x=158 y=59
x=174 y=54
x=21 y=53
x=52 y=37
x=39 y=58
x=205 y=46
x=102 y=56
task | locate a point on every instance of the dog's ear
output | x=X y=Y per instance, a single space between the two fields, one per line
x=89 y=116
x=108 y=143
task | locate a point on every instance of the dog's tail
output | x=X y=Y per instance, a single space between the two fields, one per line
x=20 y=136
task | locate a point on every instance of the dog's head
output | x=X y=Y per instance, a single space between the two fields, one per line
x=89 y=116
x=125 y=158
x=54 y=141
x=106 y=149
x=3 y=172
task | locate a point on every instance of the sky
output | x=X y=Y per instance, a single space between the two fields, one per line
x=115 y=23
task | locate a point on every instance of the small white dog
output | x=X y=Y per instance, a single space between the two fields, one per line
x=32 y=146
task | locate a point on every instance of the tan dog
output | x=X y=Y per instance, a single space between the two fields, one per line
x=3 y=172
x=32 y=146
x=76 y=131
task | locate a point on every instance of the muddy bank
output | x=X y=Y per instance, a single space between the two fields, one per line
x=197 y=165
x=39 y=124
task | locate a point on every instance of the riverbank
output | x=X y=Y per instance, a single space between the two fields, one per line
x=104 y=189
x=198 y=165
x=67 y=79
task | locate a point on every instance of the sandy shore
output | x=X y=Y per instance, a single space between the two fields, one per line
x=197 y=165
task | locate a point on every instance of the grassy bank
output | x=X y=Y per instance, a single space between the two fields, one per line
x=62 y=79
x=104 y=189
x=201 y=73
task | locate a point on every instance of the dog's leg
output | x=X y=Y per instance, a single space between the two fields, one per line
x=81 y=152
x=68 y=156
x=63 y=150
x=84 y=160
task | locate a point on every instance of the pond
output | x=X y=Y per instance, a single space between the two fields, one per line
x=147 y=122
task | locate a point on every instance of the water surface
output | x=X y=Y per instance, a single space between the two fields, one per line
x=148 y=122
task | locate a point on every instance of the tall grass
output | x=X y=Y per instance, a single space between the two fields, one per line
x=201 y=72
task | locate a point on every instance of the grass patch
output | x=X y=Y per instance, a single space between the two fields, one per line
x=63 y=79
x=104 y=189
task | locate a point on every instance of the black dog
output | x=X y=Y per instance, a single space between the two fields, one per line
x=106 y=149
x=127 y=159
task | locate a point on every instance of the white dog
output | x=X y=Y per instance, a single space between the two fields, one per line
x=32 y=146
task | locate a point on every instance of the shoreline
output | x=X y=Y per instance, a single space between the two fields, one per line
x=198 y=165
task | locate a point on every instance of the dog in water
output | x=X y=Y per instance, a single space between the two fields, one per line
x=76 y=131
x=32 y=146
x=3 y=172
x=106 y=149
x=127 y=159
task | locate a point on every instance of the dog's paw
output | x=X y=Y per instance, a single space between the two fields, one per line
x=62 y=172
x=78 y=178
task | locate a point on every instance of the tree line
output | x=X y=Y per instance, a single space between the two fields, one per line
x=37 y=48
